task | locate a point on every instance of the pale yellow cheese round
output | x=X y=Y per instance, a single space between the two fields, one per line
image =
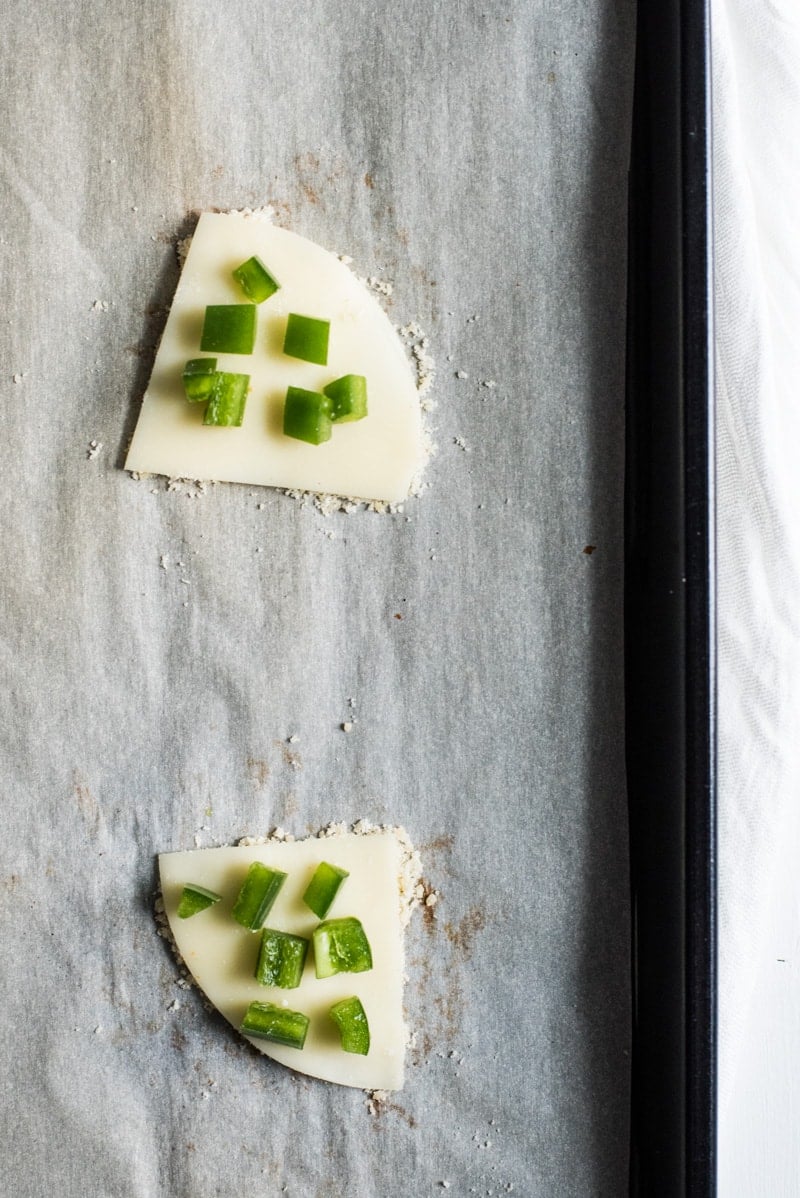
x=376 y=458
x=221 y=954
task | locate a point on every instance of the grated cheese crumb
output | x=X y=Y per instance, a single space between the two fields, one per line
x=376 y=1100
x=265 y=213
x=182 y=249
x=380 y=285
x=191 y=488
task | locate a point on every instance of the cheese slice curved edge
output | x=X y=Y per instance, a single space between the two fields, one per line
x=221 y=954
x=376 y=458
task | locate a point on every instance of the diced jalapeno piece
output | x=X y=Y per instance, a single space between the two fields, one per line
x=267 y=1021
x=351 y=1019
x=349 y=398
x=341 y=946
x=322 y=889
x=229 y=329
x=255 y=280
x=306 y=416
x=225 y=408
x=194 y=899
x=198 y=378
x=258 y=893
x=307 y=338
x=281 y=958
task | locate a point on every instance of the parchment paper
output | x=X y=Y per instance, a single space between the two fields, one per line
x=159 y=647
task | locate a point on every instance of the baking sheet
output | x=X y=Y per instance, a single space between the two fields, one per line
x=159 y=646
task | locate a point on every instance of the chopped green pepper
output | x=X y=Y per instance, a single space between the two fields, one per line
x=258 y=893
x=267 y=1021
x=323 y=887
x=307 y=338
x=351 y=1019
x=306 y=416
x=229 y=329
x=349 y=398
x=255 y=280
x=341 y=946
x=281 y=958
x=225 y=408
x=199 y=375
x=194 y=899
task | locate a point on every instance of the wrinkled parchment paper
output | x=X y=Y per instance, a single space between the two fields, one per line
x=159 y=647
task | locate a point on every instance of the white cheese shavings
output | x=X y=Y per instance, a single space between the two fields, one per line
x=380 y=285
x=376 y=1101
x=192 y=488
x=265 y=213
x=419 y=345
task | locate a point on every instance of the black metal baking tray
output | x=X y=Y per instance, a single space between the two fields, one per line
x=669 y=607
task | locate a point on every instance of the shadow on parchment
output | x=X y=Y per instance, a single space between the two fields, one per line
x=604 y=973
x=155 y=317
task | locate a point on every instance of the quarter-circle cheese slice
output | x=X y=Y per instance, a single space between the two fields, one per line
x=221 y=954
x=376 y=458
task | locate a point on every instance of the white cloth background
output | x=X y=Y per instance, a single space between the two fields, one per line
x=756 y=107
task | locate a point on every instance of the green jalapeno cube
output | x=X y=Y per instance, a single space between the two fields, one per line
x=281 y=958
x=307 y=338
x=229 y=329
x=341 y=946
x=255 y=280
x=195 y=899
x=267 y=1021
x=351 y=1020
x=348 y=396
x=199 y=376
x=323 y=888
x=258 y=893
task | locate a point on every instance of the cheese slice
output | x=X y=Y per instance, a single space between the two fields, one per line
x=221 y=954
x=376 y=458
